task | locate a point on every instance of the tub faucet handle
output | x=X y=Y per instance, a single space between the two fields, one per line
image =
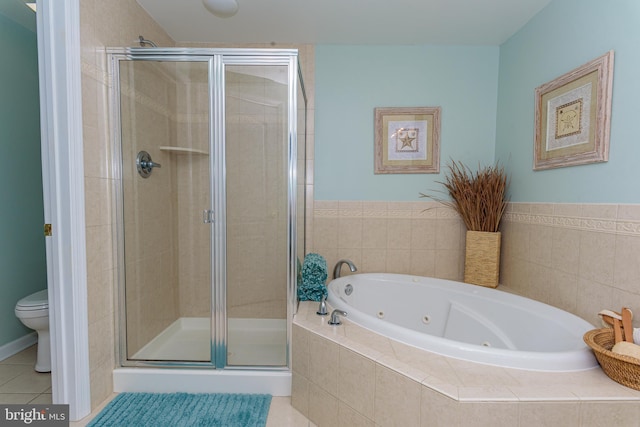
x=335 y=319
x=322 y=309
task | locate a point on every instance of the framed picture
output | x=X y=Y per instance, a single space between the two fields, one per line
x=573 y=116
x=407 y=140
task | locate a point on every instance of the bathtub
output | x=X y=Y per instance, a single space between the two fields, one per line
x=465 y=321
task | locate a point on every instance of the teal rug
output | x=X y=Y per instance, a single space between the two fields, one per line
x=184 y=410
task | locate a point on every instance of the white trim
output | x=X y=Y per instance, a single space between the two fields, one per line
x=160 y=380
x=63 y=188
x=16 y=346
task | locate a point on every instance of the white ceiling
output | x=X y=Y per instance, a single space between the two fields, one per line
x=440 y=22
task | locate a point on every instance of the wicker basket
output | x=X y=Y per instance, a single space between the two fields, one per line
x=620 y=368
x=482 y=258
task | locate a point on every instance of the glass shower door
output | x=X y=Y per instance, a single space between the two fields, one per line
x=210 y=165
x=257 y=206
x=165 y=137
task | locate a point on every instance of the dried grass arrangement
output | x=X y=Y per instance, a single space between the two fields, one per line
x=479 y=197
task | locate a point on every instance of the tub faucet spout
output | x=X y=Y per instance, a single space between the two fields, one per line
x=336 y=269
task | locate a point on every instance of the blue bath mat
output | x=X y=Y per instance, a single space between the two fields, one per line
x=184 y=410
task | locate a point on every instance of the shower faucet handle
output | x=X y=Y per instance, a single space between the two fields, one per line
x=145 y=165
x=150 y=165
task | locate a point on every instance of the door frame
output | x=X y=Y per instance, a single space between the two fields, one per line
x=58 y=29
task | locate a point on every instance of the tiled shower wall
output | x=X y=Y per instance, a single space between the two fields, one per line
x=306 y=59
x=192 y=180
x=118 y=23
x=581 y=258
x=148 y=111
x=256 y=210
x=103 y=24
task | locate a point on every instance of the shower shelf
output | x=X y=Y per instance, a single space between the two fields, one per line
x=182 y=150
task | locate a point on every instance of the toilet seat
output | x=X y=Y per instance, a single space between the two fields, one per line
x=34 y=302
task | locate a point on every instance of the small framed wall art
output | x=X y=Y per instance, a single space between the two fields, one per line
x=573 y=116
x=407 y=140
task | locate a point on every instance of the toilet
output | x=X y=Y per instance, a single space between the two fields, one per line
x=33 y=312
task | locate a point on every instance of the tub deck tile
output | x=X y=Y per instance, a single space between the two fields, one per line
x=376 y=341
x=542 y=393
x=486 y=393
x=611 y=391
x=471 y=376
x=460 y=386
x=441 y=387
x=405 y=369
x=462 y=380
x=435 y=366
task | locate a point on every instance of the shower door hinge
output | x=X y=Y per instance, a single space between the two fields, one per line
x=47 y=230
x=207 y=216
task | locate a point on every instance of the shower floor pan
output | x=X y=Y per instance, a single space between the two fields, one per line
x=250 y=342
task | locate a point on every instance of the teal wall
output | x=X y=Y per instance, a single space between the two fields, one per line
x=22 y=254
x=352 y=80
x=563 y=36
x=487 y=100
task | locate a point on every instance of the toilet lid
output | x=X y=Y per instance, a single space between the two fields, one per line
x=35 y=301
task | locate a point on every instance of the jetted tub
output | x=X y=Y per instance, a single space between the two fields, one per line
x=465 y=321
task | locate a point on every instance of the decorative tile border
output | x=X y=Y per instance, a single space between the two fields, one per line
x=628 y=227
x=514 y=214
x=392 y=210
x=325 y=213
x=612 y=226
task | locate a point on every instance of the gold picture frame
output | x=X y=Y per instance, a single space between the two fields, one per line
x=573 y=116
x=407 y=140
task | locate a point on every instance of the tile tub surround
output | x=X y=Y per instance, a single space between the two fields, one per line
x=347 y=375
x=581 y=258
x=421 y=238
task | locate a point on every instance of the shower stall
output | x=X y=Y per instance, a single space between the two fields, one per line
x=209 y=159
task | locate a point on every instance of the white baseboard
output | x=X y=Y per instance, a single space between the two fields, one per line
x=16 y=346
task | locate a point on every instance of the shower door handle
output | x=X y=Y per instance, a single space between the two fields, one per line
x=207 y=216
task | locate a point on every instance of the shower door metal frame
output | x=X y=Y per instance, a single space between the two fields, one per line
x=245 y=57
x=217 y=59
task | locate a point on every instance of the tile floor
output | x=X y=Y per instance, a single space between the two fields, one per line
x=281 y=414
x=19 y=383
